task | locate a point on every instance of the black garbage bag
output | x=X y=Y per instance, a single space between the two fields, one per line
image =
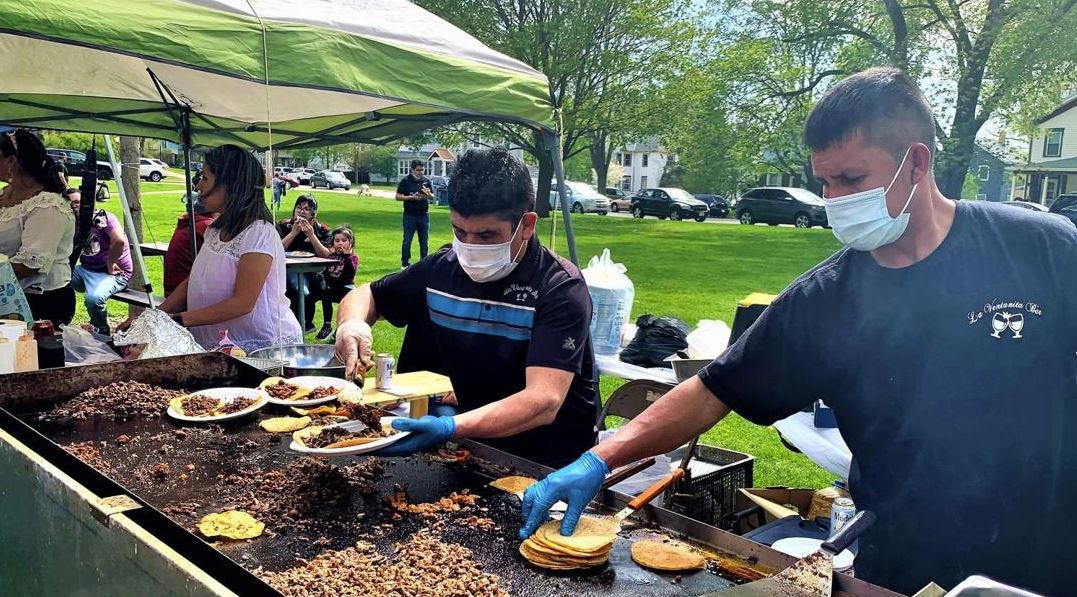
x=657 y=338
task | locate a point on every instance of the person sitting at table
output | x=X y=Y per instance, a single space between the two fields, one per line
x=303 y=232
x=104 y=265
x=338 y=276
x=178 y=257
x=37 y=226
x=237 y=279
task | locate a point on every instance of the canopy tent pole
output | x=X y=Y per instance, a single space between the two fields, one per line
x=185 y=138
x=553 y=140
x=128 y=220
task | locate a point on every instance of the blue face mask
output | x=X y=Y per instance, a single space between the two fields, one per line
x=862 y=221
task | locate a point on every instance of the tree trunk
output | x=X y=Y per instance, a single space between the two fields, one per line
x=957 y=148
x=545 y=176
x=130 y=152
x=600 y=159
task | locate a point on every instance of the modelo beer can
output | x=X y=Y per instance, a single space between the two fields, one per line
x=383 y=372
x=841 y=512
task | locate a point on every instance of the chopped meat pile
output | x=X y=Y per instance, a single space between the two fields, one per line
x=237 y=404
x=87 y=452
x=292 y=494
x=198 y=405
x=281 y=390
x=121 y=400
x=423 y=565
x=332 y=435
x=321 y=392
x=455 y=502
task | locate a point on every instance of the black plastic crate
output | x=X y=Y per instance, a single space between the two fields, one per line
x=709 y=488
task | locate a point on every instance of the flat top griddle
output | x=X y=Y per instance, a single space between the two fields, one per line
x=237 y=447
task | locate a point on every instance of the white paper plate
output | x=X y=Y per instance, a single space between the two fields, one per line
x=313 y=381
x=226 y=394
x=350 y=450
x=802 y=547
x=299 y=254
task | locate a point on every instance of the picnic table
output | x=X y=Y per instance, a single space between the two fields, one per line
x=300 y=265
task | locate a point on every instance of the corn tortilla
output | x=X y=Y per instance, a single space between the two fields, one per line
x=284 y=424
x=513 y=484
x=666 y=556
x=233 y=524
x=298 y=393
x=592 y=534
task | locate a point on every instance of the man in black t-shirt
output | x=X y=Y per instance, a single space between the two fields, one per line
x=506 y=319
x=415 y=191
x=944 y=337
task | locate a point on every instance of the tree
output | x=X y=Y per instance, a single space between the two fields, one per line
x=383 y=161
x=130 y=153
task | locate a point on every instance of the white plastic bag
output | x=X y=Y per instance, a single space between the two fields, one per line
x=160 y=336
x=708 y=340
x=81 y=348
x=612 y=294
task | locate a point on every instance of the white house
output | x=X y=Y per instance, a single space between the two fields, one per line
x=642 y=165
x=1051 y=169
x=439 y=160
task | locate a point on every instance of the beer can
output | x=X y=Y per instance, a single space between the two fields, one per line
x=841 y=512
x=383 y=372
x=43 y=328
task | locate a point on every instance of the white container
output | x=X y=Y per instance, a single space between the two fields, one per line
x=12 y=329
x=612 y=294
x=7 y=356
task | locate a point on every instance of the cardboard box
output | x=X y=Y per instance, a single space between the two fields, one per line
x=774 y=502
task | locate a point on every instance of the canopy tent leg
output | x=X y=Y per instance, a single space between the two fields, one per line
x=553 y=141
x=185 y=138
x=128 y=220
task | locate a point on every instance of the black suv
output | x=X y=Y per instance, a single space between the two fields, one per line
x=717 y=204
x=781 y=205
x=76 y=163
x=1066 y=205
x=675 y=204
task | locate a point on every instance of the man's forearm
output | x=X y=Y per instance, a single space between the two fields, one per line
x=358 y=304
x=403 y=197
x=115 y=251
x=683 y=413
x=515 y=414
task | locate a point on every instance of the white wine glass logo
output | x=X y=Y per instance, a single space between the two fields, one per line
x=1017 y=323
x=998 y=323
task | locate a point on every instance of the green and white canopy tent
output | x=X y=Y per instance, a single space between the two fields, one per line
x=264 y=74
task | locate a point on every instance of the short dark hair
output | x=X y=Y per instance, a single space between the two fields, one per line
x=346 y=230
x=883 y=104
x=244 y=181
x=417 y=163
x=493 y=182
x=309 y=200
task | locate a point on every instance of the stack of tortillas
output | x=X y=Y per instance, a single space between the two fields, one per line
x=668 y=557
x=589 y=545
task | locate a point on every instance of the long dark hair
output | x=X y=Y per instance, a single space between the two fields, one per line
x=33 y=159
x=244 y=181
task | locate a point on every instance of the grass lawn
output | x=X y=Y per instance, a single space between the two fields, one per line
x=685 y=269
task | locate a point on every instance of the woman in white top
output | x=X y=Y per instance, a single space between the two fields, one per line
x=237 y=282
x=37 y=226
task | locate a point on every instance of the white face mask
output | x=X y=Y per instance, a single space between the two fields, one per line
x=487 y=263
x=862 y=220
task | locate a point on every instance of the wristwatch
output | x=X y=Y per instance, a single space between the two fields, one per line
x=178 y=318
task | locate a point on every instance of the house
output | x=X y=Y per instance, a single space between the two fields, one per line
x=1051 y=169
x=642 y=165
x=439 y=160
x=989 y=169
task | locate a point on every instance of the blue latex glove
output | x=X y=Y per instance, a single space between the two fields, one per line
x=576 y=484
x=425 y=432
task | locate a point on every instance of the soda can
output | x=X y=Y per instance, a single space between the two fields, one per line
x=383 y=372
x=841 y=512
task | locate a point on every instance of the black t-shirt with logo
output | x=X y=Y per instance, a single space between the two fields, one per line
x=485 y=336
x=410 y=185
x=954 y=382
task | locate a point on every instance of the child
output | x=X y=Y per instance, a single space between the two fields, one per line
x=338 y=275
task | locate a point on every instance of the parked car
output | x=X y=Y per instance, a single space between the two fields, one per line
x=619 y=200
x=666 y=202
x=148 y=170
x=330 y=180
x=781 y=205
x=76 y=163
x=440 y=186
x=582 y=198
x=717 y=205
x=303 y=175
x=1066 y=205
x=160 y=163
x=1027 y=205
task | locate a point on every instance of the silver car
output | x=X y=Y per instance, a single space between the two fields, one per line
x=583 y=198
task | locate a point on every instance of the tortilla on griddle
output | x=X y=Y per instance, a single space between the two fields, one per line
x=543 y=560
x=298 y=391
x=233 y=524
x=515 y=484
x=592 y=534
x=666 y=556
x=284 y=424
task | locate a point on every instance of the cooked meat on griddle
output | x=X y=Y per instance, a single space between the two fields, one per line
x=281 y=390
x=198 y=405
x=332 y=435
x=120 y=400
x=237 y=404
x=321 y=392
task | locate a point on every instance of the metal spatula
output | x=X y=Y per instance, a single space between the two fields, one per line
x=811 y=576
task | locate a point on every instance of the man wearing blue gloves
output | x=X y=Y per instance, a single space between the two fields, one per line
x=506 y=319
x=942 y=330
